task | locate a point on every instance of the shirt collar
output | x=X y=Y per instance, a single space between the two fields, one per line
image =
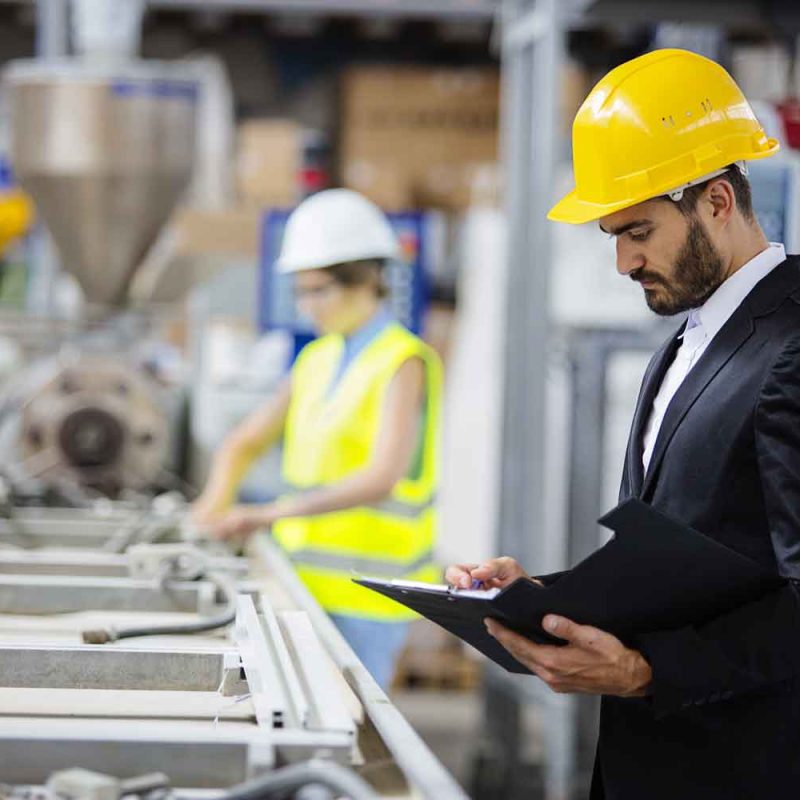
x=361 y=337
x=718 y=309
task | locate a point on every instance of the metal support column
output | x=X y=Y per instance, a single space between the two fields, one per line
x=532 y=47
x=52 y=28
x=590 y=352
x=589 y=362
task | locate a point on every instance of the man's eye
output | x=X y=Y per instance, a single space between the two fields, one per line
x=639 y=236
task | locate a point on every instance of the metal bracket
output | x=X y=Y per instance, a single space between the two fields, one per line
x=327 y=709
x=272 y=697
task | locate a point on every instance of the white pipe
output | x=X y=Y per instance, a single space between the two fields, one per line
x=107 y=29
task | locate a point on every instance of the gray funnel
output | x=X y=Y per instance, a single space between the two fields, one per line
x=105 y=152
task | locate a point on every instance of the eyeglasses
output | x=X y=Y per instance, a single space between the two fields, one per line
x=306 y=292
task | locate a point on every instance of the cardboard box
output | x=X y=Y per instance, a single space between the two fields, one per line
x=234 y=232
x=414 y=136
x=269 y=160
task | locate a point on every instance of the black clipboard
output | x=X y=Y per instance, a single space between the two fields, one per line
x=655 y=574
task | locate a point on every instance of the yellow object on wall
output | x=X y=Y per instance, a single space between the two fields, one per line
x=16 y=216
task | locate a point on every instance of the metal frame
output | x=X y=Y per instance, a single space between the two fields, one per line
x=52 y=28
x=108 y=565
x=276 y=691
x=421 y=9
x=418 y=765
x=121 y=669
x=533 y=36
x=589 y=353
x=276 y=695
x=194 y=756
x=293 y=720
x=437 y=9
x=61 y=594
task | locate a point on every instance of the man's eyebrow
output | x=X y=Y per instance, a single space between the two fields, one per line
x=637 y=223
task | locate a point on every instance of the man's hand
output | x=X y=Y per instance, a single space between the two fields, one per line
x=497 y=573
x=594 y=662
x=240 y=522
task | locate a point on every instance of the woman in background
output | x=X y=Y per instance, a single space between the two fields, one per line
x=359 y=416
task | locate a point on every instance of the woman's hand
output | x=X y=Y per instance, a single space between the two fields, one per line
x=204 y=510
x=239 y=522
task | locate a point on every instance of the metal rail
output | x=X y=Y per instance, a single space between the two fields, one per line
x=422 y=770
x=420 y=9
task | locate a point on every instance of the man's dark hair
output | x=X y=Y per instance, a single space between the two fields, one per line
x=361 y=273
x=741 y=191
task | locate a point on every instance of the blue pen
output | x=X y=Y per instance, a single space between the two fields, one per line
x=476 y=584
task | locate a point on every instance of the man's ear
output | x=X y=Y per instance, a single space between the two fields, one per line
x=719 y=201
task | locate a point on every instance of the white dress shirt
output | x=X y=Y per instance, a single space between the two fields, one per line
x=702 y=326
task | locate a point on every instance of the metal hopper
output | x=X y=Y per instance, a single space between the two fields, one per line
x=106 y=152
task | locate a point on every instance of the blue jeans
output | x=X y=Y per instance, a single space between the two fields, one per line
x=377 y=644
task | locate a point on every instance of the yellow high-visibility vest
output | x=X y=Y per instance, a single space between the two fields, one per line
x=330 y=435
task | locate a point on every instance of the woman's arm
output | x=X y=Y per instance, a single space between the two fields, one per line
x=252 y=437
x=396 y=445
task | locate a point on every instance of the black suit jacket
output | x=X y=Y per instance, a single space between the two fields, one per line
x=723 y=719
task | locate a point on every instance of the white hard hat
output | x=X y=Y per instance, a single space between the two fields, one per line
x=334 y=227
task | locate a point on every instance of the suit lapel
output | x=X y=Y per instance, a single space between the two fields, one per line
x=659 y=364
x=731 y=337
x=765 y=297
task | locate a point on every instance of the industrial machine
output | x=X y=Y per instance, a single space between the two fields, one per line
x=138 y=660
x=105 y=148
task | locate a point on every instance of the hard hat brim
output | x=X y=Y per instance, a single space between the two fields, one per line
x=575 y=211
x=287 y=266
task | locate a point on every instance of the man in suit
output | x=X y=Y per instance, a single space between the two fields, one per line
x=710 y=711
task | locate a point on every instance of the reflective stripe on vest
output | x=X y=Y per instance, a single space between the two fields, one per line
x=329 y=436
x=360 y=565
x=392 y=506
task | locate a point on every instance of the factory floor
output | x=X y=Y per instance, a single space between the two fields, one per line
x=448 y=721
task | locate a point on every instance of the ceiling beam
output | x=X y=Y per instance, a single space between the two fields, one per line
x=430 y=9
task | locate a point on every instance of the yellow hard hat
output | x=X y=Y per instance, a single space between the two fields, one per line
x=655 y=124
x=16 y=216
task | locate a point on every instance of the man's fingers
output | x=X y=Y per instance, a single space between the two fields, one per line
x=485 y=572
x=497 y=572
x=519 y=646
x=506 y=637
x=581 y=635
x=497 y=568
x=460 y=575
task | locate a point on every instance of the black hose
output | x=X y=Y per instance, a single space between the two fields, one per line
x=277 y=783
x=221 y=620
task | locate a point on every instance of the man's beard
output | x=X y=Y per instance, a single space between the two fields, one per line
x=697 y=273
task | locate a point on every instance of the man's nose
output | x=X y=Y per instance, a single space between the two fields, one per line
x=628 y=258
